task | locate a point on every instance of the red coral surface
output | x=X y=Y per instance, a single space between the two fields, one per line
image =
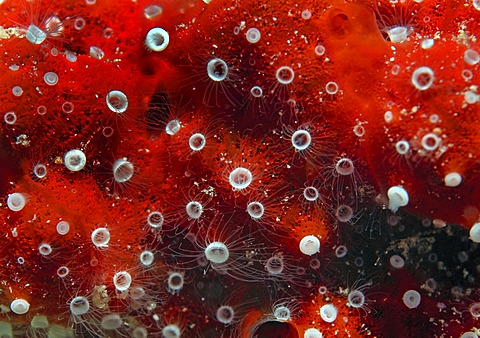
x=242 y=169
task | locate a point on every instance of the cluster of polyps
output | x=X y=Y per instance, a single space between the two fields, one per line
x=242 y=183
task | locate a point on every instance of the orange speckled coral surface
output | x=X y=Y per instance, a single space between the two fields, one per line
x=193 y=149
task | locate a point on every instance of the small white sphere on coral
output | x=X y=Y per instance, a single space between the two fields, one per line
x=475 y=233
x=312 y=333
x=309 y=245
x=19 y=306
x=452 y=179
x=397 y=197
x=411 y=299
x=328 y=313
x=157 y=39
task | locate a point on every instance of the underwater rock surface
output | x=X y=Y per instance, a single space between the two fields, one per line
x=239 y=168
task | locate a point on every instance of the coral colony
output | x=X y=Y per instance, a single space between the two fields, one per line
x=269 y=169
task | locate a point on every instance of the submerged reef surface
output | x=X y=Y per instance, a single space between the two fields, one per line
x=222 y=168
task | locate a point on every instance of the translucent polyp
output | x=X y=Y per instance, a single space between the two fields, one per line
x=412 y=299
x=75 y=160
x=397 y=197
x=472 y=57
x=311 y=194
x=10 y=118
x=452 y=179
x=309 y=245
x=398 y=34
x=175 y=281
x=341 y=251
x=19 y=306
x=171 y=331
x=157 y=39
x=344 y=167
x=328 y=313
x=197 y=142
x=194 y=209
x=253 y=35
x=240 y=178
x=312 y=333
x=173 y=127
x=285 y=75
x=111 y=322
x=344 y=213
x=274 y=265
x=217 y=252
x=152 y=11
x=155 y=219
x=255 y=210
x=45 y=249
x=40 y=170
x=217 y=69
x=117 y=101
x=123 y=170
x=122 y=280
x=35 y=35
x=100 y=237
x=256 y=91
x=96 y=52
x=225 y=314
x=397 y=262
x=282 y=313
x=422 y=78
x=301 y=139
x=356 y=299
x=475 y=233
x=16 y=201
x=79 y=306
x=139 y=332
x=402 y=147
x=146 y=258
x=50 y=78
x=63 y=271
x=331 y=88
x=39 y=322
x=63 y=228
